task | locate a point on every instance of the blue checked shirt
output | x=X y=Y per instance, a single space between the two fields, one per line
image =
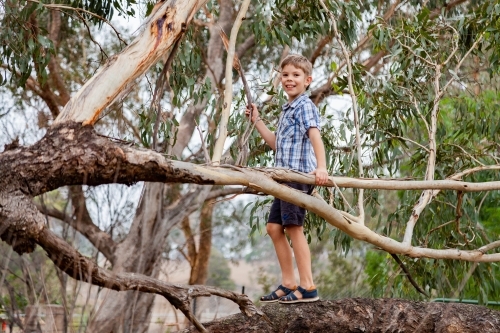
x=293 y=146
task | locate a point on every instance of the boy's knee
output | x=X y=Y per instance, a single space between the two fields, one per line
x=274 y=229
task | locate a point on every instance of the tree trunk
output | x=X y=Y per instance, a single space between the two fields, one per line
x=140 y=253
x=131 y=311
x=364 y=315
x=199 y=257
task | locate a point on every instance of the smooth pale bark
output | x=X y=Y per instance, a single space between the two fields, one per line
x=364 y=315
x=228 y=91
x=161 y=30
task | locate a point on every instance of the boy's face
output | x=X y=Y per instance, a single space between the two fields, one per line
x=294 y=81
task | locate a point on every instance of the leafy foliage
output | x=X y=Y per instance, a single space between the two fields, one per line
x=26 y=46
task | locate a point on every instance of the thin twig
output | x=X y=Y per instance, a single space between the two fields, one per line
x=432 y=64
x=56 y=6
x=481 y=203
x=238 y=67
x=417 y=108
x=346 y=202
x=409 y=140
x=350 y=218
x=458 y=212
x=203 y=146
x=160 y=83
x=455 y=48
x=408 y=275
x=466 y=153
x=457 y=67
x=92 y=38
x=436 y=228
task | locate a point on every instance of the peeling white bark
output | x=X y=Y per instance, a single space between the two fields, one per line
x=359 y=149
x=161 y=31
x=228 y=92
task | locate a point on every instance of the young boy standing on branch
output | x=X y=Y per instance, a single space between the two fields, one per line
x=298 y=145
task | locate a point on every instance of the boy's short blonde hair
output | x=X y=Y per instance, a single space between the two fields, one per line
x=298 y=61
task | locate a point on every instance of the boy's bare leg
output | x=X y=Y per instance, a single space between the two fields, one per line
x=302 y=257
x=284 y=253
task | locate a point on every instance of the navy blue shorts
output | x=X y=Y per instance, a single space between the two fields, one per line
x=285 y=213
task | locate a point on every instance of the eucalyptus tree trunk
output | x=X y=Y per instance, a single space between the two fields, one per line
x=198 y=256
x=141 y=251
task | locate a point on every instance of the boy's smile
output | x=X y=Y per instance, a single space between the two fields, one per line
x=294 y=81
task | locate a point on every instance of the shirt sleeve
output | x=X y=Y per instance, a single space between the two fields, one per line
x=309 y=117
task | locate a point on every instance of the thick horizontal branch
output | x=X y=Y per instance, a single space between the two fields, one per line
x=71 y=154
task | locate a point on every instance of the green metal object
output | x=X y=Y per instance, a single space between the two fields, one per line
x=465 y=301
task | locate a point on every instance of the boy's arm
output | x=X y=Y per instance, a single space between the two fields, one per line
x=319 y=150
x=266 y=134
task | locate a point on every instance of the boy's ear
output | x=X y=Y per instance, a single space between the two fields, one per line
x=309 y=80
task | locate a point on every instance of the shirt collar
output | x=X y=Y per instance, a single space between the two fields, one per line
x=295 y=102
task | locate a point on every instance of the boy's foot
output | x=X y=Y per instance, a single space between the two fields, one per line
x=277 y=294
x=306 y=296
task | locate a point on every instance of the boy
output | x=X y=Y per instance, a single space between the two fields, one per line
x=298 y=146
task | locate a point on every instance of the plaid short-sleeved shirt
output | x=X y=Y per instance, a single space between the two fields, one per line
x=293 y=147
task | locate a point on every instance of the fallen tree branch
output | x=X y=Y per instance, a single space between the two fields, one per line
x=354 y=315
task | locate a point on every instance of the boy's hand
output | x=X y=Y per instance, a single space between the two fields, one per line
x=255 y=113
x=321 y=176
